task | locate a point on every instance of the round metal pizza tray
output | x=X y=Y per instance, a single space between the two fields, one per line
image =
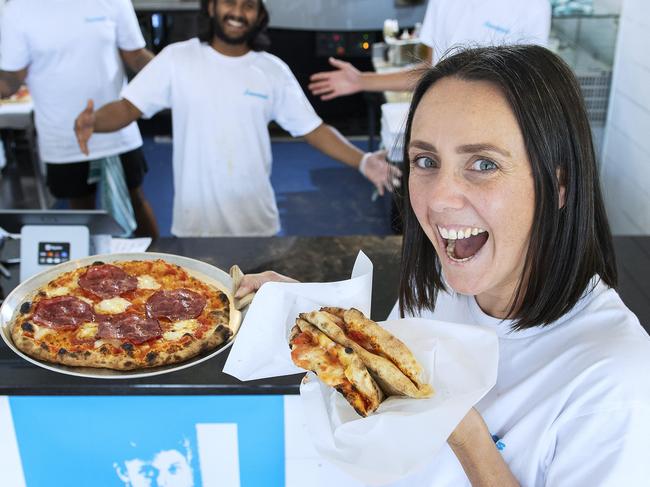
x=196 y=268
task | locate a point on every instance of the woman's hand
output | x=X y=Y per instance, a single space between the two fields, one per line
x=250 y=283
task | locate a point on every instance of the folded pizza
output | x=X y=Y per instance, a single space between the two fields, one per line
x=389 y=360
x=336 y=365
x=355 y=355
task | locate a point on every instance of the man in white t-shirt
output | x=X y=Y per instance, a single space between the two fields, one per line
x=70 y=51
x=447 y=24
x=224 y=90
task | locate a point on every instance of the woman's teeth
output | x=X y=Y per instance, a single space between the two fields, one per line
x=453 y=234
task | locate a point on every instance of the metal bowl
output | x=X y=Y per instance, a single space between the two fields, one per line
x=196 y=268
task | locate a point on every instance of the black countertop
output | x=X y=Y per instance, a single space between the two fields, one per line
x=306 y=259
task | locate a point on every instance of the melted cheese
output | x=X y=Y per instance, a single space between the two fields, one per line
x=87 y=331
x=112 y=306
x=179 y=328
x=57 y=291
x=147 y=282
x=327 y=367
x=107 y=341
x=41 y=331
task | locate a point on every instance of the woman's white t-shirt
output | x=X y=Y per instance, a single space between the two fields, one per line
x=571 y=406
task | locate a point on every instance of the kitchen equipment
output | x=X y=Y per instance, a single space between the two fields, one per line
x=402 y=52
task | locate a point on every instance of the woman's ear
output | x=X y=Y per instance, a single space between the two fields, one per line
x=559 y=174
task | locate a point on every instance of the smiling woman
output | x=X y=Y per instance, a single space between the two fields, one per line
x=507 y=155
x=505 y=227
x=471 y=188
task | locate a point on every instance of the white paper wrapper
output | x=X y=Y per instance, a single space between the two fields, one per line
x=261 y=348
x=459 y=361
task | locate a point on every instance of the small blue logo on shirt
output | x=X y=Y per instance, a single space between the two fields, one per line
x=98 y=18
x=258 y=95
x=499 y=444
x=498 y=28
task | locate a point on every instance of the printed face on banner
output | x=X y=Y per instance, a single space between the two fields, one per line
x=167 y=468
x=166 y=441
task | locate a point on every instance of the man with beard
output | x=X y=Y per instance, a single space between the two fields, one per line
x=223 y=91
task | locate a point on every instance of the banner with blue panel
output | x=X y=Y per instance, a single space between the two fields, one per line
x=171 y=441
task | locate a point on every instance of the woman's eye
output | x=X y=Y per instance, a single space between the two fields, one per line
x=484 y=165
x=424 y=162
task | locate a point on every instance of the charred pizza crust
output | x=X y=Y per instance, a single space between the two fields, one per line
x=176 y=341
x=335 y=365
x=356 y=356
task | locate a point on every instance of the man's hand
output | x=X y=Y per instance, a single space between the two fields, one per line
x=380 y=172
x=84 y=126
x=346 y=80
x=252 y=282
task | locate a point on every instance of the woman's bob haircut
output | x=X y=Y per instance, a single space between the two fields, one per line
x=259 y=39
x=569 y=244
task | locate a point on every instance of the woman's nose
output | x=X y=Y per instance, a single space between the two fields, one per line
x=446 y=192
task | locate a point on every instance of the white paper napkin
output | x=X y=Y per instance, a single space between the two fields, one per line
x=403 y=435
x=261 y=348
x=459 y=361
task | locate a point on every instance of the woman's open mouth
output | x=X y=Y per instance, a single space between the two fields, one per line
x=462 y=245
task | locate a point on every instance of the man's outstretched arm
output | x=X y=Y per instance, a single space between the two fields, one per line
x=347 y=80
x=373 y=166
x=109 y=118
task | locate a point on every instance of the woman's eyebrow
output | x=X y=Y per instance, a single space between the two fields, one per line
x=463 y=149
x=420 y=144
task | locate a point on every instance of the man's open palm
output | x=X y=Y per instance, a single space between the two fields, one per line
x=84 y=126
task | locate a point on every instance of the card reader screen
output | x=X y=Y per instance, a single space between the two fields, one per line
x=52 y=253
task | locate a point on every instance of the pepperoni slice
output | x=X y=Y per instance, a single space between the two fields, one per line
x=107 y=281
x=128 y=326
x=175 y=304
x=63 y=313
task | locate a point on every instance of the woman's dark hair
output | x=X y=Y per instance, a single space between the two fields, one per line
x=259 y=39
x=568 y=245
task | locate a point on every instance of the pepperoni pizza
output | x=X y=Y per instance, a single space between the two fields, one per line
x=124 y=316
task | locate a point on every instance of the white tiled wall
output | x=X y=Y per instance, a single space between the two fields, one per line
x=625 y=169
